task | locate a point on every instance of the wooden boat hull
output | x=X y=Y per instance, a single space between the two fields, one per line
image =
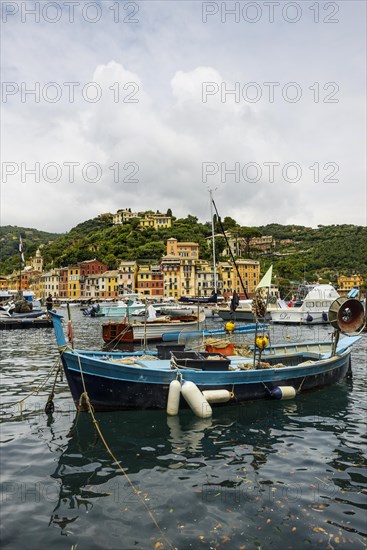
x=138 y=332
x=120 y=387
x=114 y=385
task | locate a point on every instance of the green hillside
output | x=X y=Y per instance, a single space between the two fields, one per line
x=307 y=253
x=323 y=252
x=9 y=244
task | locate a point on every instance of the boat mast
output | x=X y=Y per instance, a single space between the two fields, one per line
x=20 y=264
x=213 y=240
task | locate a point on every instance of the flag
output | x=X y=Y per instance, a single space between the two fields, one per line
x=21 y=248
x=266 y=280
x=235 y=302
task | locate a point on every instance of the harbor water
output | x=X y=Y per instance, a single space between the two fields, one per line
x=270 y=474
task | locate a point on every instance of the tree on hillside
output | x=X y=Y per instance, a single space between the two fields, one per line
x=220 y=244
x=229 y=223
x=152 y=250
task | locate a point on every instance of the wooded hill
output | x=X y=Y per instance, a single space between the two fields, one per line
x=309 y=253
x=9 y=244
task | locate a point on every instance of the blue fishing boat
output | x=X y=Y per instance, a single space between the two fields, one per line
x=120 y=381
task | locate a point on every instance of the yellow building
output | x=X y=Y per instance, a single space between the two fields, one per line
x=205 y=279
x=224 y=270
x=109 y=283
x=147 y=220
x=346 y=283
x=179 y=267
x=155 y=221
x=3 y=283
x=182 y=250
x=188 y=278
x=73 y=282
x=170 y=265
x=249 y=271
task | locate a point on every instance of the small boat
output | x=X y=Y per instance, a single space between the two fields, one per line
x=311 y=311
x=240 y=329
x=114 y=381
x=151 y=329
x=122 y=309
x=11 y=307
x=213 y=299
x=179 y=309
x=243 y=312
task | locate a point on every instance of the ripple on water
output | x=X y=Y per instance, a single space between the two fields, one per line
x=265 y=474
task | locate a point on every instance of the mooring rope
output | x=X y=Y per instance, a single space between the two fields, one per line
x=37 y=390
x=114 y=343
x=301 y=384
x=85 y=396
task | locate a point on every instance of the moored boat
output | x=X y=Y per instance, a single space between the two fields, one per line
x=238 y=329
x=113 y=383
x=150 y=330
x=313 y=309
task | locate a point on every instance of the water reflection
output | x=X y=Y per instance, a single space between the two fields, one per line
x=256 y=448
x=258 y=474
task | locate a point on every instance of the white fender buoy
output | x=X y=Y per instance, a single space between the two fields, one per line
x=217 y=396
x=284 y=392
x=195 y=399
x=173 y=401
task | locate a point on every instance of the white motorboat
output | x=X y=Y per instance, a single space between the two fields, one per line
x=313 y=310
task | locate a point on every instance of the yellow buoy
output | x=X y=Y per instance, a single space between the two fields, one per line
x=230 y=326
x=262 y=342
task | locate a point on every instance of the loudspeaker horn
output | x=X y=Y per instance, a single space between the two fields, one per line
x=347 y=315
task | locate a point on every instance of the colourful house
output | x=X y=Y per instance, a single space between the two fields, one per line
x=346 y=283
x=73 y=282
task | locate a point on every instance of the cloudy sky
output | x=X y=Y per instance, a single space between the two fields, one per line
x=148 y=104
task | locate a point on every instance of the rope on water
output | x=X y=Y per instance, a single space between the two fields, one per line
x=85 y=396
x=50 y=407
x=35 y=391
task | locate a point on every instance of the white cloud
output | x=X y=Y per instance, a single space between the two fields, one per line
x=163 y=62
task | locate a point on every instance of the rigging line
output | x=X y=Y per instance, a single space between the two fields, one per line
x=230 y=250
x=38 y=389
x=96 y=424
